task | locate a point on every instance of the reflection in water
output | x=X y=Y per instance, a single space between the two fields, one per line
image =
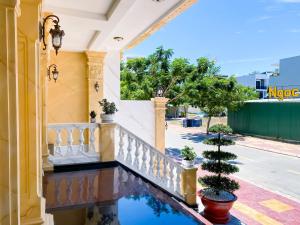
x=109 y=196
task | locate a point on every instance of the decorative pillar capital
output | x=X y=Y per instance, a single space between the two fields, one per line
x=160 y=103
x=95 y=61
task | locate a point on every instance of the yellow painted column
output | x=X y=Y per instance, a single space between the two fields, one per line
x=9 y=129
x=95 y=61
x=189 y=185
x=32 y=203
x=160 y=121
x=107 y=142
x=43 y=96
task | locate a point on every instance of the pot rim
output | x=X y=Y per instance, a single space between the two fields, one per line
x=201 y=194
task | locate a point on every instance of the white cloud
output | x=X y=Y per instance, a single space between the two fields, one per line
x=262 y=18
x=289 y=1
x=236 y=61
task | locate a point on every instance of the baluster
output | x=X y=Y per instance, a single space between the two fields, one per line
x=80 y=184
x=57 y=192
x=129 y=148
x=90 y=188
x=171 y=165
x=92 y=148
x=178 y=179
x=81 y=139
x=144 y=159
x=158 y=158
x=137 y=154
x=70 y=141
x=151 y=163
x=69 y=190
x=165 y=171
x=57 y=150
x=121 y=145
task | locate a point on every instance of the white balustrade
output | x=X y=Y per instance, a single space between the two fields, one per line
x=147 y=161
x=71 y=142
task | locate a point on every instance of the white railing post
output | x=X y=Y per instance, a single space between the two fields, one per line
x=57 y=149
x=137 y=154
x=70 y=141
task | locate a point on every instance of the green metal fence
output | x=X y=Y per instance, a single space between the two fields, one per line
x=280 y=120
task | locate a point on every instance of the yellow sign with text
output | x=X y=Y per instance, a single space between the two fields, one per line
x=282 y=94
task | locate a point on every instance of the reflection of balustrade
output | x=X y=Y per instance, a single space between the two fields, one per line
x=60 y=187
x=71 y=139
x=149 y=162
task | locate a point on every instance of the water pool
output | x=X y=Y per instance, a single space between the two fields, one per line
x=110 y=196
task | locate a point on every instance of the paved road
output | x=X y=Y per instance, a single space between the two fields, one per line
x=275 y=172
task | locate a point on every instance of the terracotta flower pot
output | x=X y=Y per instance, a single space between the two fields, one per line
x=216 y=211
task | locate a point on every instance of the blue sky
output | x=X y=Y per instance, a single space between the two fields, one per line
x=241 y=35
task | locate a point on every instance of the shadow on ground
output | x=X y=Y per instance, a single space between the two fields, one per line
x=174 y=153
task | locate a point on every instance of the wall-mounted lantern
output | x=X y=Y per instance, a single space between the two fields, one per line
x=55 y=72
x=56 y=33
x=159 y=92
x=97 y=86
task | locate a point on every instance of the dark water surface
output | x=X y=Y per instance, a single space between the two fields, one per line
x=110 y=196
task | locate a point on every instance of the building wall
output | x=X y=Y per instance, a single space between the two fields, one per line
x=278 y=120
x=68 y=97
x=139 y=118
x=289 y=74
x=247 y=80
x=111 y=77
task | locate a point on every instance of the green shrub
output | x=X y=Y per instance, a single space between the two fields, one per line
x=188 y=153
x=108 y=107
x=217 y=162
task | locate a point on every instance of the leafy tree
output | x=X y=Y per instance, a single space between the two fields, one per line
x=141 y=77
x=214 y=94
x=217 y=162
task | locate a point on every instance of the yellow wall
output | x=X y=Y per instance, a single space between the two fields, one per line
x=68 y=97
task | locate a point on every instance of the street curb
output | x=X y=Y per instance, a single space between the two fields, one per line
x=267 y=150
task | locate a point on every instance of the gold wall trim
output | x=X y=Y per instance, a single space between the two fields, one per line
x=162 y=22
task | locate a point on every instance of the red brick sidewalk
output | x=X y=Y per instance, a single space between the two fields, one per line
x=258 y=206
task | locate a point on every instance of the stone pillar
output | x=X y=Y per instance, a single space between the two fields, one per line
x=95 y=61
x=160 y=121
x=9 y=129
x=107 y=142
x=32 y=203
x=43 y=95
x=189 y=185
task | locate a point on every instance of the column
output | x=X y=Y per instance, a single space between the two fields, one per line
x=95 y=61
x=32 y=210
x=43 y=96
x=160 y=121
x=9 y=129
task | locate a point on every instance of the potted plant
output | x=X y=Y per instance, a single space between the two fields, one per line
x=218 y=197
x=93 y=115
x=108 y=109
x=188 y=155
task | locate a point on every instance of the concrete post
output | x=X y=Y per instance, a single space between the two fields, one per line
x=107 y=142
x=160 y=128
x=189 y=185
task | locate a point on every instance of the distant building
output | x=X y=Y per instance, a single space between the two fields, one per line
x=289 y=74
x=259 y=81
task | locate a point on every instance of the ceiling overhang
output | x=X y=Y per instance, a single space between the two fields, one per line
x=91 y=25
